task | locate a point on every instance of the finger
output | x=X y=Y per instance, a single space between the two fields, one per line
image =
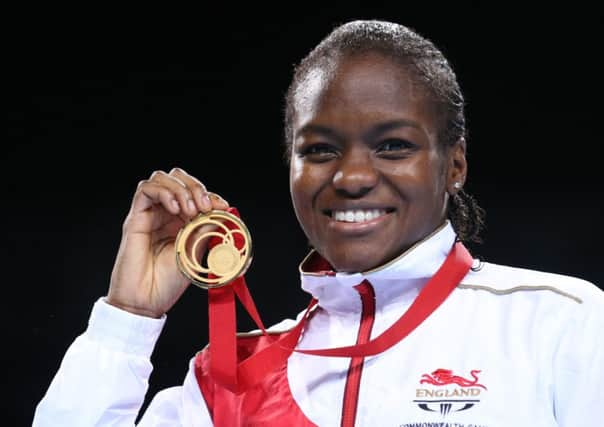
x=149 y=193
x=218 y=202
x=180 y=191
x=198 y=190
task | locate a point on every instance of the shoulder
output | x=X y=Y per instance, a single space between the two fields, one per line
x=506 y=280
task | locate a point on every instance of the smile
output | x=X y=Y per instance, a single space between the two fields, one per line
x=356 y=215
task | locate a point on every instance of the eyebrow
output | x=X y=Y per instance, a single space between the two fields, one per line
x=384 y=127
x=378 y=129
x=319 y=129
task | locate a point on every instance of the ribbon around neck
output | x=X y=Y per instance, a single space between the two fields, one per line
x=239 y=376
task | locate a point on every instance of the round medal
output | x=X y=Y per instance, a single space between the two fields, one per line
x=229 y=252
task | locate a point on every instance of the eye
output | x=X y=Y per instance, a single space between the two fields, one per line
x=395 y=147
x=319 y=152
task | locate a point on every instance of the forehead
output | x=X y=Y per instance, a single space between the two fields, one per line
x=364 y=86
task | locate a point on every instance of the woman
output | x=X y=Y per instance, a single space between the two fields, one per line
x=375 y=135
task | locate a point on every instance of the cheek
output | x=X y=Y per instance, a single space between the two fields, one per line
x=301 y=186
x=306 y=180
x=296 y=178
x=295 y=171
x=422 y=178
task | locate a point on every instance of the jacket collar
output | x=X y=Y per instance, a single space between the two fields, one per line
x=394 y=282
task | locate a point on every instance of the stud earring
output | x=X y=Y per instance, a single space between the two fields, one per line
x=457 y=185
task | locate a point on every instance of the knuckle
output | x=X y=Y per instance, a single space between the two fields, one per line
x=177 y=170
x=126 y=224
x=157 y=174
x=178 y=180
x=198 y=186
x=184 y=192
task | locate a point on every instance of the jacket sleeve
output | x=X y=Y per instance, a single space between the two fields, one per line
x=579 y=365
x=104 y=376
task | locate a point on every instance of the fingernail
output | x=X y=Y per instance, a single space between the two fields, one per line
x=191 y=205
x=206 y=202
x=175 y=205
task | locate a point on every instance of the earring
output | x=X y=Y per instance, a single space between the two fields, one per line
x=457 y=185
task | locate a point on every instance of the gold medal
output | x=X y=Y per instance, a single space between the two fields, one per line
x=225 y=261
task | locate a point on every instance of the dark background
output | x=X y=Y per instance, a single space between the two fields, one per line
x=98 y=99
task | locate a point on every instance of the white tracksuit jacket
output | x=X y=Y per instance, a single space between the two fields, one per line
x=509 y=347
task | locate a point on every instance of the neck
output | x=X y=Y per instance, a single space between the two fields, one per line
x=403 y=277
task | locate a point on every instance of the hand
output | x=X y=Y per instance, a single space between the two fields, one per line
x=145 y=278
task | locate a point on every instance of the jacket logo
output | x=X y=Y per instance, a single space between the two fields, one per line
x=450 y=392
x=445 y=376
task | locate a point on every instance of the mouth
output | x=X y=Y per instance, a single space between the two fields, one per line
x=358 y=216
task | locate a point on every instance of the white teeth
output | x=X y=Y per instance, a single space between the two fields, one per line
x=357 y=215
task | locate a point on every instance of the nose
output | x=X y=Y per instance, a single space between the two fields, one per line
x=356 y=174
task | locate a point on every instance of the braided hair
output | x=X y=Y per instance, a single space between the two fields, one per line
x=429 y=68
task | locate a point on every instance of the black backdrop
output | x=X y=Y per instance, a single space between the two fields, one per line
x=98 y=99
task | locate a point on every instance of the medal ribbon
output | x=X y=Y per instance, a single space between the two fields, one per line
x=238 y=377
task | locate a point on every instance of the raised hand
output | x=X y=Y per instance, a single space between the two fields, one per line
x=145 y=278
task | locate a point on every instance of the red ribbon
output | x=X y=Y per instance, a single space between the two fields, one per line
x=238 y=377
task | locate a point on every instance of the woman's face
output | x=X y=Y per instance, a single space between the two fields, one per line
x=367 y=178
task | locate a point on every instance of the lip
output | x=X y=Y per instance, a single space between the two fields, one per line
x=357 y=227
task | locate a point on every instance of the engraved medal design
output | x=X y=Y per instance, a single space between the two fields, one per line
x=229 y=254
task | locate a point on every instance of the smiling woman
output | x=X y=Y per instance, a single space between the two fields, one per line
x=369 y=177
x=410 y=328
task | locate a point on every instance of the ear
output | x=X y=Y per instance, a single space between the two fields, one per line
x=457 y=166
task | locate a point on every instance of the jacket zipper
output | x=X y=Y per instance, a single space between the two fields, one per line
x=355 y=370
